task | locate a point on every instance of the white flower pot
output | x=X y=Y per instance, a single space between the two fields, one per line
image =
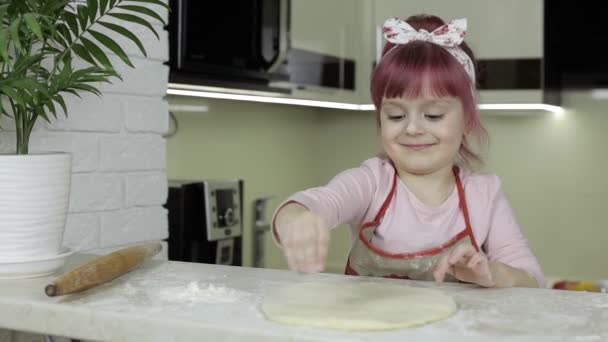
x=34 y=199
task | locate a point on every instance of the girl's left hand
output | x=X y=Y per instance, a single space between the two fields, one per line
x=465 y=264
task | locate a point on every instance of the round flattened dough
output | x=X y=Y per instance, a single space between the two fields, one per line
x=357 y=305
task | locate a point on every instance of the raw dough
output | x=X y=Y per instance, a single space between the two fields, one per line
x=349 y=305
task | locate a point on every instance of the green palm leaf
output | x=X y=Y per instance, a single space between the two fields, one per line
x=4 y=45
x=72 y=21
x=72 y=91
x=142 y=10
x=39 y=111
x=33 y=25
x=3 y=9
x=59 y=99
x=51 y=50
x=154 y=2
x=31 y=86
x=92 y=6
x=64 y=75
x=134 y=19
x=34 y=87
x=3 y=111
x=126 y=33
x=51 y=106
x=83 y=16
x=24 y=62
x=110 y=44
x=13 y=94
x=83 y=53
x=66 y=58
x=64 y=32
x=87 y=88
x=79 y=74
x=96 y=52
x=14 y=31
x=54 y=6
x=103 y=4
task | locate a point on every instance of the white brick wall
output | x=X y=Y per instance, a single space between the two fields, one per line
x=119 y=182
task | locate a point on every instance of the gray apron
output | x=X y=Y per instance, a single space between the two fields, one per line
x=365 y=259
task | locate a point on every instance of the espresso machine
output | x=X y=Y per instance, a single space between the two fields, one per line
x=205 y=221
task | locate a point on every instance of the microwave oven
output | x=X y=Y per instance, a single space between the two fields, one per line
x=218 y=43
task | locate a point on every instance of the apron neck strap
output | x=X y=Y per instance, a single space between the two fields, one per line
x=388 y=199
x=461 y=198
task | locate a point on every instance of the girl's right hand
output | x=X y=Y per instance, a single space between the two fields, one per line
x=304 y=237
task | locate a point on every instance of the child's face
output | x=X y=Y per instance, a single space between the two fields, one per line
x=422 y=135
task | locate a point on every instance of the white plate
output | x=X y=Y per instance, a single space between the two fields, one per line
x=34 y=267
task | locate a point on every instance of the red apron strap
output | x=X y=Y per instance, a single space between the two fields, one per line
x=463 y=206
x=387 y=200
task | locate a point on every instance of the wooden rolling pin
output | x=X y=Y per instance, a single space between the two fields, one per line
x=102 y=269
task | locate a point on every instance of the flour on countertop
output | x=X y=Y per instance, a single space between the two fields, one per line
x=159 y=296
x=588 y=338
x=209 y=293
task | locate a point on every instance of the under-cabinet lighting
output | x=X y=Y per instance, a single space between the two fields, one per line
x=521 y=106
x=196 y=91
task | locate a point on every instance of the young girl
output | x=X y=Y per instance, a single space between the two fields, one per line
x=418 y=211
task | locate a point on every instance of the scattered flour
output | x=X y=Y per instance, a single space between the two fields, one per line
x=592 y=338
x=209 y=293
x=129 y=289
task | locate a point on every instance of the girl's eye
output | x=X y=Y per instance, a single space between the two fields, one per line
x=434 y=117
x=395 y=117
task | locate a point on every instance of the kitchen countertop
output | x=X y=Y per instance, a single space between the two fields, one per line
x=175 y=301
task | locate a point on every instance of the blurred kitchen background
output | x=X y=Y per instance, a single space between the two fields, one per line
x=552 y=163
x=232 y=112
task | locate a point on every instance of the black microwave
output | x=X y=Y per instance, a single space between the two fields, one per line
x=219 y=42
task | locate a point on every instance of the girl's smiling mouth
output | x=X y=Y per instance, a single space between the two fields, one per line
x=417 y=147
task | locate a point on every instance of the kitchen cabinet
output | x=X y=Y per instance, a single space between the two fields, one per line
x=328 y=27
x=177 y=301
x=506 y=36
x=497 y=29
x=333 y=28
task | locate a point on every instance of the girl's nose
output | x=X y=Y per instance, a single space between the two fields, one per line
x=413 y=126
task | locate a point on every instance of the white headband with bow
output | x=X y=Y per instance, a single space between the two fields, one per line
x=448 y=36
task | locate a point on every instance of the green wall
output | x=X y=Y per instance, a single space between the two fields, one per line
x=271 y=147
x=552 y=168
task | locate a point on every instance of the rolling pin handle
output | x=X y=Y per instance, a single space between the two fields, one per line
x=50 y=290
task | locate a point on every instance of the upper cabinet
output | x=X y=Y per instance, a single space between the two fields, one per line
x=326 y=49
x=326 y=27
x=506 y=36
x=497 y=29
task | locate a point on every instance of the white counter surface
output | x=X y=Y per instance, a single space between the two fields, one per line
x=173 y=301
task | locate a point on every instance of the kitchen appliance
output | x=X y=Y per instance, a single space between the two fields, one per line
x=260 y=226
x=223 y=42
x=205 y=221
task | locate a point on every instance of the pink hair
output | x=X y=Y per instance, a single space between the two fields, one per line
x=404 y=70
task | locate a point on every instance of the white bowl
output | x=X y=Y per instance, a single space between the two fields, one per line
x=34 y=267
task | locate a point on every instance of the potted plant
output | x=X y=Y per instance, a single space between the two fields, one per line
x=50 y=48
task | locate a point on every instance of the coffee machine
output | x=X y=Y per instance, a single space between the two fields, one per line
x=206 y=221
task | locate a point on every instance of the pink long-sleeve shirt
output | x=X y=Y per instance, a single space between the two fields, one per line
x=355 y=196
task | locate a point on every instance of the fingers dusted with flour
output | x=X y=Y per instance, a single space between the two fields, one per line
x=465 y=264
x=304 y=237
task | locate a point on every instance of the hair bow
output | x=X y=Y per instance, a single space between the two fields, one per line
x=449 y=35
